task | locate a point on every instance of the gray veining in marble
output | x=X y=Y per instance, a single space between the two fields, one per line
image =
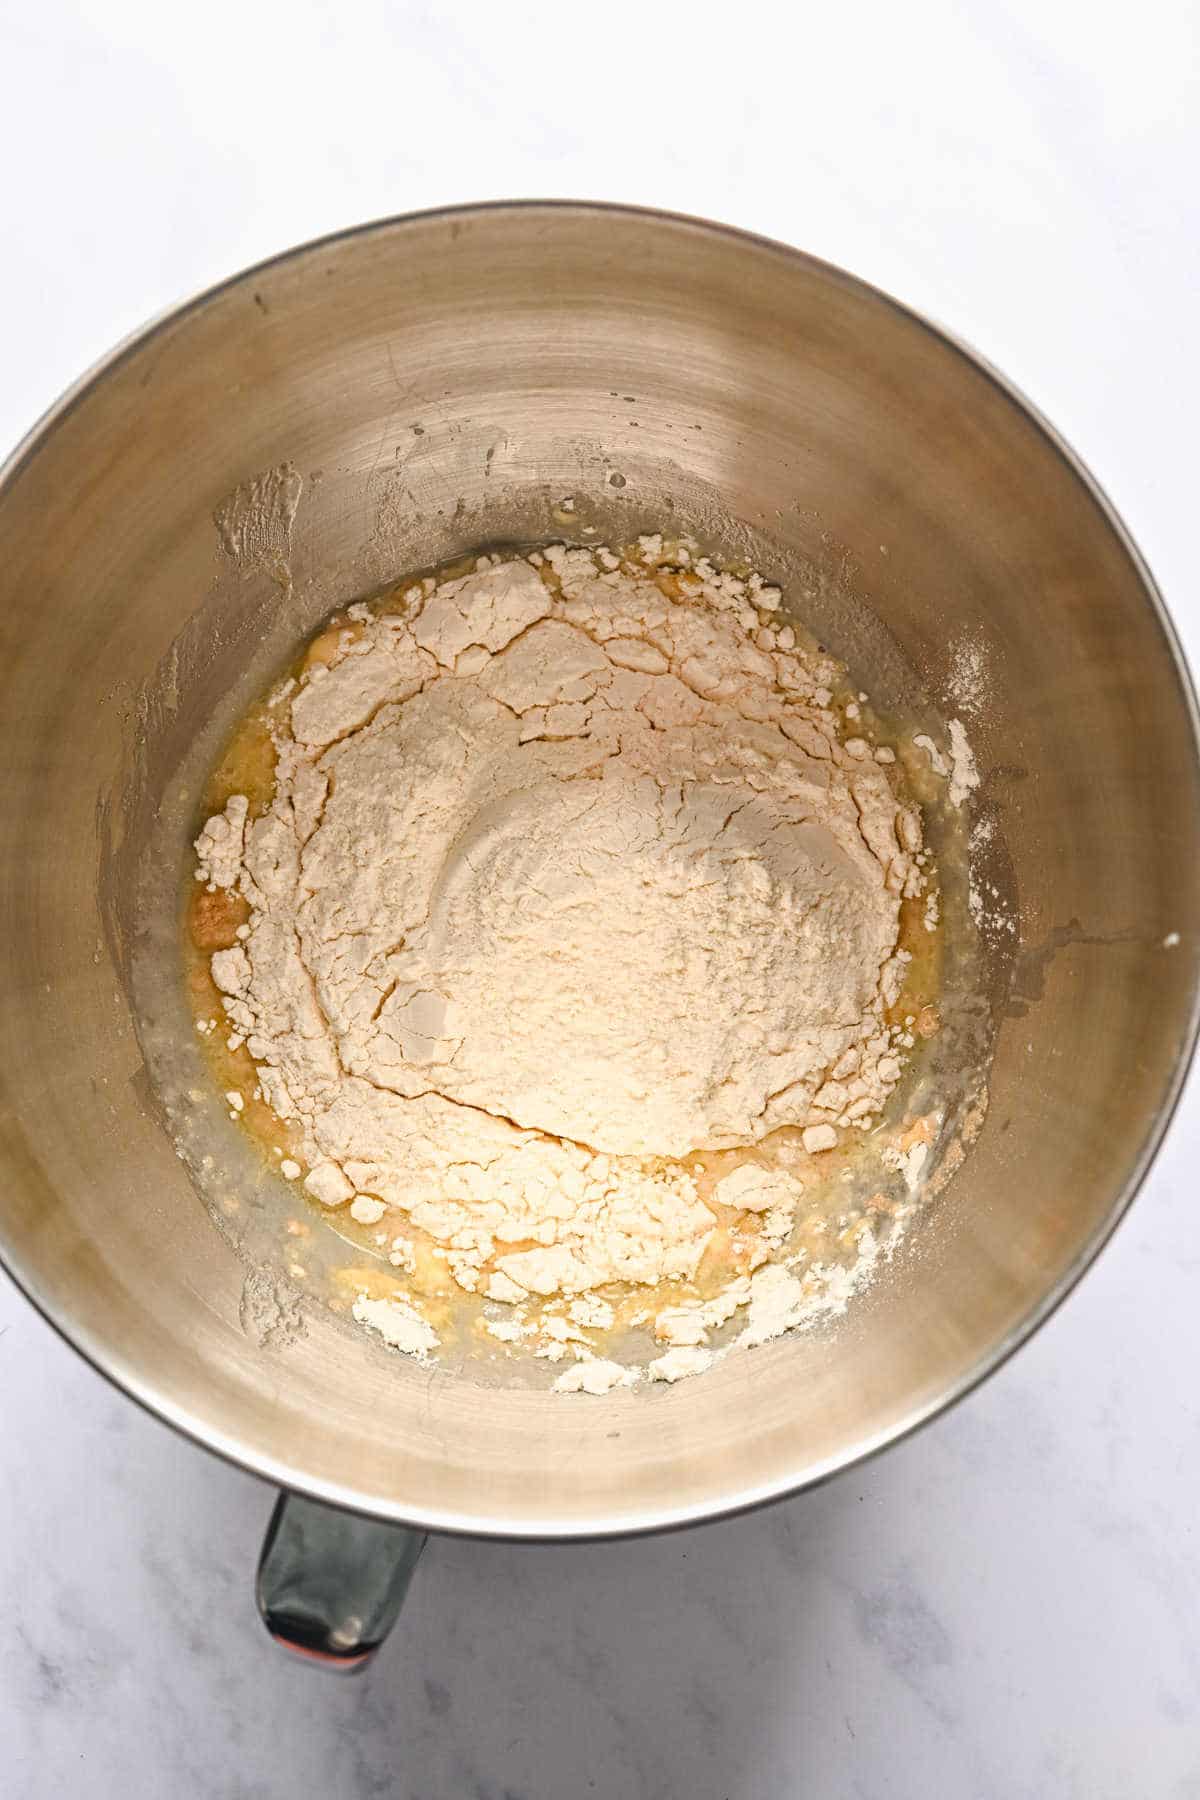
x=1005 y=1608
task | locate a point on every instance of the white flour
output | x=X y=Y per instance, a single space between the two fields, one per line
x=565 y=879
x=969 y=683
x=960 y=772
x=964 y=776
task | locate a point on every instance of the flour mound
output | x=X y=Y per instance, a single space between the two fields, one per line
x=568 y=874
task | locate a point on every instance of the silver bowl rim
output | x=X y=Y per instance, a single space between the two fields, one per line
x=109 y=1362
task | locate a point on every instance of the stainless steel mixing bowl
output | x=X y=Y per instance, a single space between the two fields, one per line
x=395 y=396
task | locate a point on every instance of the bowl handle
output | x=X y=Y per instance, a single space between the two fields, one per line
x=331 y=1584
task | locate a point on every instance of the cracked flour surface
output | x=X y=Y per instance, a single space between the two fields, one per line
x=567 y=877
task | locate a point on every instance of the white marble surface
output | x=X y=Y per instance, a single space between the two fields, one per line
x=1006 y=1607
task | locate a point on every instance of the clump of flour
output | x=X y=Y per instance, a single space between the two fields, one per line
x=567 y=875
